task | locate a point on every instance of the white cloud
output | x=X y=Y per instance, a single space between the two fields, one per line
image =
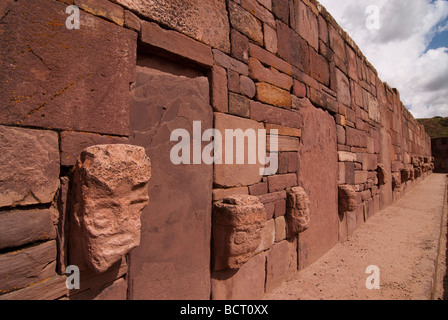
x=398 y=50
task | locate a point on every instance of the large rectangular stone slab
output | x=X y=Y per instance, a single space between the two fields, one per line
x=173 y=258
x=318 y=154
x=203 y=20
x=69 y=79
x=233 y=174
x=29 y=166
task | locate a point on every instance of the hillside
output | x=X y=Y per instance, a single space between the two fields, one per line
x=436 y=127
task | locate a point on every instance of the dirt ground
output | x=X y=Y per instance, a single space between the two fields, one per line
x=403 y=241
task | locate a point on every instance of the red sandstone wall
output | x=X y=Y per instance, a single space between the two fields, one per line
x=275 y=64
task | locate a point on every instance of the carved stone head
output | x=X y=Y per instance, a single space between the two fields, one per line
x=110 y=190
x=297 y=211
x=238 y=222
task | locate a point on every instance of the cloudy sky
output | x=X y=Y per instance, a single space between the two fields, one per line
x=408 y=46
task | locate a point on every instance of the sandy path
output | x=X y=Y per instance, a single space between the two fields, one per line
x=402 y=240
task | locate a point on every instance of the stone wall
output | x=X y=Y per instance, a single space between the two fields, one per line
x=439 y=148
x=344 y=136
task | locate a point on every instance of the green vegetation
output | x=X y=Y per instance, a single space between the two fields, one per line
x=436 y=127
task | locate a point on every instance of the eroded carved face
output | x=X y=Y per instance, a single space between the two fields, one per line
x=111 y=186
x=298 y=212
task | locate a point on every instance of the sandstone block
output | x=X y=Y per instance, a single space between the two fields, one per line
x=270 y=39
x=319 y=69
x=234 y=175
x=247 y=87
x=343 y=88
x=176 y=43
x=203 y=20
x=304 y=22
x=229 y=63
x=45 y=68
x=237 y=228
x=103 y=8
x=267 y=237
x=27 y=267
x=281 y=182
x=272 y=95
x=73 y=143
x=280 y=10
x=219 y=194
x=356 y=138
x=132 y=21
x=240 y=45
x=284 y=144
x=299 y=89
x=292 y=47
x=281 y=263
x=345 y=156
x=269 y=75
x=280 y=229
x=20 y=227
x=279 y=208
x=220 y=98
x=110 y=191
x=259 y=11
x=245 y=283
x=270 y=59
x=297 y=211
x=272 y=197
x=347 y=198
x=269 y=114
x=283 y=130
x=239 y=105
x=245 y=23
x=29 y=166
x=258 y=189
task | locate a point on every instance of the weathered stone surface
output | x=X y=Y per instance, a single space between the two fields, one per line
x=267 y=237
x=259 y=11
x=283 y=130
x=247 y=87
x=304 y=22
x=396 y=180
x=280 y=228
x=284 y=143
x=237 y=228
x=318 y=153
x=239 y=105
x=382 y=175
x=356 y=138
x=220 y=99
x=280 y=10
x=46 y=74
x=292 y=47
x=131 y=21
x=245 y=283
x=234 y=175
x=347 y=198
x=281 y=181
x=297 y=211
x=175 y=43
x=281 y=263
x=103 y=8
x=110 y=191
x=270 y=39
x=73 y=143
x=272 y=95
x=26 y=267
x=270 y=75
x=269 y=114
x=343 y=88
x=219 y=194
x=245 y=23
x=20 y=227
x=270 y=59
x=240 y=45
x=345 y=156
x=324 y=100
x=203 y=20
x=29 y=166
x=173 y=258
x=319 y=69
x=258 y=189
x=229 y=63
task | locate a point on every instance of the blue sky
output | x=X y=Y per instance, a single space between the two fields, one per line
x=409 y=50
